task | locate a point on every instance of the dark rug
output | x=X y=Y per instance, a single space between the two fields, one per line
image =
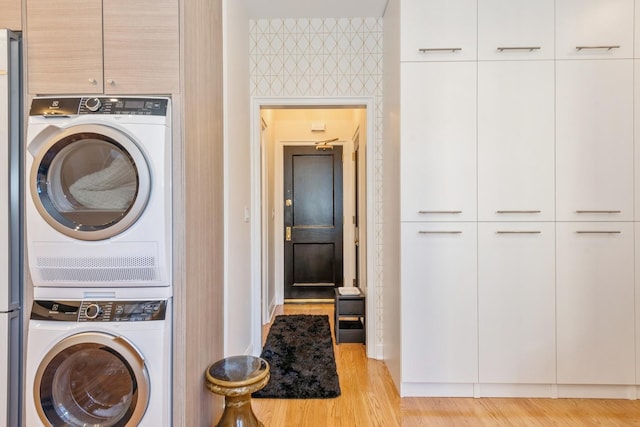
x=299 y=349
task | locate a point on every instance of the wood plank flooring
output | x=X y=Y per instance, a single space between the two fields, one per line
x=369 y=399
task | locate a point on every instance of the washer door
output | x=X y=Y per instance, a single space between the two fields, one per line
x=89 y=182
x=92 y=379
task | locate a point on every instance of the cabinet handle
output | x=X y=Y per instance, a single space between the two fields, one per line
x=519 y=212
x=608 y=47
x=439 y=212
x=439 y=232
x=111 y=82
x=598 y=232
x=439 y=49
x=529 y=48
x=598 y=212
x=518 y=232
x=93 y=81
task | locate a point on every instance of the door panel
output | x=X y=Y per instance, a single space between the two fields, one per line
x=313 y=222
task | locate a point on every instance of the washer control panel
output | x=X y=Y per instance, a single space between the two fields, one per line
x=65 y=107
x=99 y=311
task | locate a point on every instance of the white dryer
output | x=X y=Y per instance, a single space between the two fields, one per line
x=99 y=363
x=99 y=176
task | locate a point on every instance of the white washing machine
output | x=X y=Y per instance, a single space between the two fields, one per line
x=98 y=171
x=99 y=363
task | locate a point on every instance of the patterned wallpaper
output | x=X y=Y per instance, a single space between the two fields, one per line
x=325 y=58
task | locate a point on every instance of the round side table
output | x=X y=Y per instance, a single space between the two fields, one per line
x=235 y=378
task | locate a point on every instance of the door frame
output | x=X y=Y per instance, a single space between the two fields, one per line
x=257 y=216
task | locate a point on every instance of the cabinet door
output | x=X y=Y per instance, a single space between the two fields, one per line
x=594 y=140
x=439 y=302
x=516 y=141
x=515 y=29
x=438 y=146
x=64 y=46
x=516 y=302
x=438 y=30
x=11 y=16
x=594 y=29
x=141 y=46
x=595 y=303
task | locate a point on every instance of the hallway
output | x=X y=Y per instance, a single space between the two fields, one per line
x=369 y=399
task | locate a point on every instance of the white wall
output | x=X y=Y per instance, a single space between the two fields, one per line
x=238 y=321
x=326 y=58
x=391 y=230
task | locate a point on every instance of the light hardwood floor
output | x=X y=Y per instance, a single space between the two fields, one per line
x=369 y=399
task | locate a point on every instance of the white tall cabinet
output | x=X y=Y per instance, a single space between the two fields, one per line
x=517 y=204
x=439 y=199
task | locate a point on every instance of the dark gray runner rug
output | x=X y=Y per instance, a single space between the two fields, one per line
x=299 y=349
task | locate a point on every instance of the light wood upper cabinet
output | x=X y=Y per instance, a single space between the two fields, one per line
x=439 y=30
x=64 y=46
x=11 y=14
x=141 y=46
x=515 y=29
x=594 y=29
x=114 y=48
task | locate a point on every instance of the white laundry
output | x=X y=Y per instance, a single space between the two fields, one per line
x=113 y=187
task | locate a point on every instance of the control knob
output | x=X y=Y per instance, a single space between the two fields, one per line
x=93 y=104
x=92 y=311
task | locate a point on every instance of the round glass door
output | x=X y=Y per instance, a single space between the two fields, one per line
x=92 y=379
x=90 y=182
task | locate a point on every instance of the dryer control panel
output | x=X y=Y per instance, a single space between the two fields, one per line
x=99 y=311
x=66 y=106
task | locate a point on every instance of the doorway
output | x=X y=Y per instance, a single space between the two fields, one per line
x=301 y=117
x=313 y=222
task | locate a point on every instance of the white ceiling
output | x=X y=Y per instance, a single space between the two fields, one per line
x=261 y=9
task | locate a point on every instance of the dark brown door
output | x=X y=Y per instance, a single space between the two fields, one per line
x=313 y=222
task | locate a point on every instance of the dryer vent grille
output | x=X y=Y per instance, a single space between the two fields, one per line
x=97 y=269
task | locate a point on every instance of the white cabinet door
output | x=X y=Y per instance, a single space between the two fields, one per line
x=594 y=140
x=594 y=29
x=516 y=141
x=515 y=29
x=595 y=303
x=438 y=141
x=439 y=302
x=516 y=302
x=438 y=30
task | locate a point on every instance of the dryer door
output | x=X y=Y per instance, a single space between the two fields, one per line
x=92 y=379
x=89 y=182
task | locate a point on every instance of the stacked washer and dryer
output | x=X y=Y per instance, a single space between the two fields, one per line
x=99 y=245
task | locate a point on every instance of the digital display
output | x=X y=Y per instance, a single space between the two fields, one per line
x=133 y=308
x=134 y=104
